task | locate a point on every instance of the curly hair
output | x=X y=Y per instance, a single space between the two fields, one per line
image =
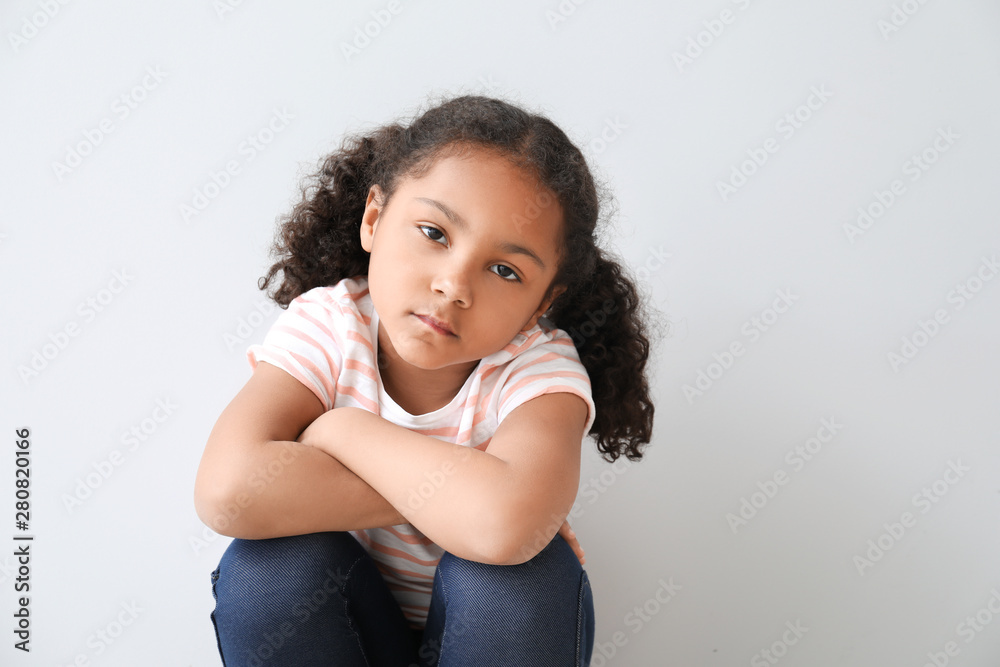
x=318 y=243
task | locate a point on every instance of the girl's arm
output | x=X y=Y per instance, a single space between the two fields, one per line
x=255 y=481
x=501 y=506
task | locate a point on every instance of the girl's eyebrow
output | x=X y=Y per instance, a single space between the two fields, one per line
x=458 y=221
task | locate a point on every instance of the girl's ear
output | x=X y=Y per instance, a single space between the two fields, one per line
x=369 y=219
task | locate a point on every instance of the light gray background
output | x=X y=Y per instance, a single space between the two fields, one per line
x=681 y=130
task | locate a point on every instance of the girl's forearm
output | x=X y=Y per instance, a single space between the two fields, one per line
x=458 y=496
x=287 y=488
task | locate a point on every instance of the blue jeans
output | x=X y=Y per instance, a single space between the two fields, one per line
x=318 y=599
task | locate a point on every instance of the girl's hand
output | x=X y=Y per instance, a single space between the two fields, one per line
x=567 y=534
x=332 y=428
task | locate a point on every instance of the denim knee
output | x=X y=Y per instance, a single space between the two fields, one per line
x=287 y=567
x=268 y=591
x=536 y=613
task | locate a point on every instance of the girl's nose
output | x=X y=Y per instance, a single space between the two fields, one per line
x=451 y=280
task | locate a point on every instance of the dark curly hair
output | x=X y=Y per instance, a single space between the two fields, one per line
x=318 y=243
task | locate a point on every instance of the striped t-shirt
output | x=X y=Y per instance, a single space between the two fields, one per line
x=328 y=340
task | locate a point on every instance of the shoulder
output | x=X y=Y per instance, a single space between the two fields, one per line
x=540 y=343
x=323 y=319
x=347 y=292
x=543 y=360
x=538 y=340
x=319 y=330
x=344 y=304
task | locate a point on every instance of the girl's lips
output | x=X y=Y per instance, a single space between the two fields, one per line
x=438 y=326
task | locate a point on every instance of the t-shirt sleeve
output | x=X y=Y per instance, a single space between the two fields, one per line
x=302 y=342
x=546 y=369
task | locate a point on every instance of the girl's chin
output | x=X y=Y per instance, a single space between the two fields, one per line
x=420 y=358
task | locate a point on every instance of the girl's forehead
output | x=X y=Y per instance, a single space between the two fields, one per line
x=489 y=182
x=491 y=170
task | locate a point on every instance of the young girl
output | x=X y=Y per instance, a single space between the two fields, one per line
x=398 y=470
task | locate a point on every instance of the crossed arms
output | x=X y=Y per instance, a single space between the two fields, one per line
x=277 y=463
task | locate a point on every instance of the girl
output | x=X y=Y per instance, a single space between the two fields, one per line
x=398 y=471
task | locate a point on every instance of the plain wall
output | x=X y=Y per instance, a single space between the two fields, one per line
x=838 y=475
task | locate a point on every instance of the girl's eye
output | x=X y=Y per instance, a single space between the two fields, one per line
x=511 y=277
x=434 y=230
x=429 y=232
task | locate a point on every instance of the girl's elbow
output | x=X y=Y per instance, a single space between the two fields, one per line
x=488 y=540
x=529 y=531
x=521 y=551
x=512 y=544
x=220 y=509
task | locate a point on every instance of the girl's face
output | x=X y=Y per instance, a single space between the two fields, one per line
x=460 y=259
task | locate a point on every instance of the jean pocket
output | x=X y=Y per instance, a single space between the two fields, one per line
x=584 y=622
